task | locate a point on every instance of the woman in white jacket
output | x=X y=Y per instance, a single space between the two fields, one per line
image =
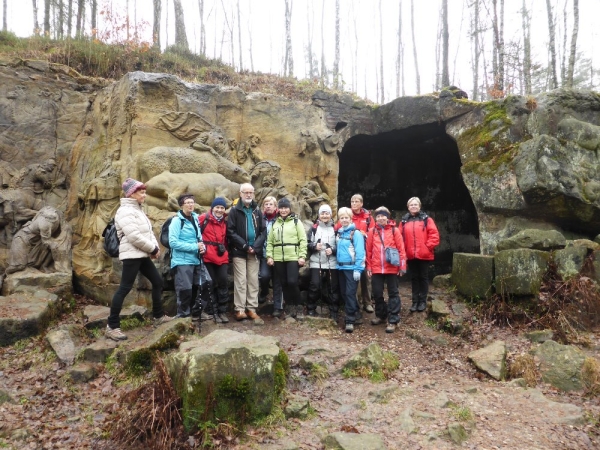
x=137 y=248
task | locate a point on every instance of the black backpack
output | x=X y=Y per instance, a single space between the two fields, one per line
x=164 y=231
x=111 y=239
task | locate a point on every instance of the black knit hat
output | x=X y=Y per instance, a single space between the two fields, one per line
x=284 y=203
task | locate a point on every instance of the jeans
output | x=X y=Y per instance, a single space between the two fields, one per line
x=391 y=311
x=131 y=267
x=419 y=277
x=265 y=275
x=329 y=278
x=348 y=289
x=287 y=275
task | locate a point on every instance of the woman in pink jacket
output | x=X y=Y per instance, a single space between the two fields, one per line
x=384 y=235
x=421 y=237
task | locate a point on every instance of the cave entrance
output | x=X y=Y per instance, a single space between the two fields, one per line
x=421 y=161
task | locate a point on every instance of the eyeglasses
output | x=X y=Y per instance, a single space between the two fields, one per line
x=248 y=193
x=188 y=203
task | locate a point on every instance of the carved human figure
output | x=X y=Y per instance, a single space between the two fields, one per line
x=249 y=153
x=17 y=206
x=311 y=197
x=33 y=244
x=7 y=173
x=315 y=165
x=213 y=140
x=39 y=176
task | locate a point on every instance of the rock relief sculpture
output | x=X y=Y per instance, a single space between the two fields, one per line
x=44 y=243
x=249 y=153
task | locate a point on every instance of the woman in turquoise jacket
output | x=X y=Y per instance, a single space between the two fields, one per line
x=185 y=240
x=286 y=252
x=350 y=264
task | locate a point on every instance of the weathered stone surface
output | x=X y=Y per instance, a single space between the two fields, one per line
x=458 y=433
x=520 y=271
x=473 y=275
x=219 y=362
x=438 y=309
x=584 y=243
x=560 y=365
x=569 y=261
x=596 y=265
x=428 y=338
x=353 y=441
x=5 y=397
x=533 y=239
x=539 y=336
x=99 y=351
x=405 y=421
x=63 y=345
x=25 y=314
x=491 y=359
x=96 y=316
x=82 y=372
x=163 y=337
x=597 y=239
x=371 y=356
x=556 y=412
x=442 y=281
x=61 y=283
x=383 y=394
x=297 y=407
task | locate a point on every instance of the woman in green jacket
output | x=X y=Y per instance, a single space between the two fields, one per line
x=286 y=251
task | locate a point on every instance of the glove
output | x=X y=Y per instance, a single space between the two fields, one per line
x=356 y=275
x=402 y=272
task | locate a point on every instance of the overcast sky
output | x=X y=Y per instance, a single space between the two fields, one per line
x=360 y=29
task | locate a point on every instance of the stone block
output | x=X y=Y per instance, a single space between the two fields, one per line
x=472 y=274
x=520 y=271
x=533 y=239
x=569 y=261
x=59 y=282
x=560 y=365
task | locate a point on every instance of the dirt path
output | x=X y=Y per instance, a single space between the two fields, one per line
x=434 y=386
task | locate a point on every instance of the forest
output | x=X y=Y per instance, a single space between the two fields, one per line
x=375 y=49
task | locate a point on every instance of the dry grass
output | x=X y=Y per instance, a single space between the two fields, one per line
x=523 y=366
x=590 y=376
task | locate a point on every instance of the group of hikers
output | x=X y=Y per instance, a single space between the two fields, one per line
x=267 y=246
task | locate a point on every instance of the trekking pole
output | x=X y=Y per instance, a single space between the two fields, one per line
x=320 y=278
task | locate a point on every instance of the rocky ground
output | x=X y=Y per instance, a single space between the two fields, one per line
x=434 y=387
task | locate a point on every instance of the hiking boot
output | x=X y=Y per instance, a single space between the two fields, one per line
x=391 y=327
x=349 y=327
x=369 y=308
x=376 y=321
x=252 y=314
x=359 y=319
x=218 y=318
x=115 y=334
x=414 y=306
x=422 y=305
x=299 y=313
x=262 y=299
x=163 y=319
x=223 y=317
x=334 y=316
x=312 y=313
x=240 y=315
x=278 y=313
x=206 y=316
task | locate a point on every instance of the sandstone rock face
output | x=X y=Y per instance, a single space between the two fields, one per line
x=520 y=271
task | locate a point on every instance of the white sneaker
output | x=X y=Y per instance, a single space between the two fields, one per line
x=163 y=319
x=115 y=334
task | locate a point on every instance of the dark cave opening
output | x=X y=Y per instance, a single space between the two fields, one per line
x=421 y=161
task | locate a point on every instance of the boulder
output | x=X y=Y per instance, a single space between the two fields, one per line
x=442 y=281
x=297 y=407
x=231 y=376
x=520 y=271
x=405 y=421
x=491 y=359
x=560 y=365
x=99 y=351
x=569 y=261
x=59 y=282
x=539 y=336
x=63 y=345
x=82 y=372
x=533 y=239
x=25 y=314
x=353 y=441
x=438 y=309
x=371 y=357
x=473 y=275
x=458 y=433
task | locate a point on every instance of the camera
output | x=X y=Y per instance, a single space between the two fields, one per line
x=221 y=249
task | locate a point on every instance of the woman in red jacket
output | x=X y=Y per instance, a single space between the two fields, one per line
x=421 y=237
x=214 y=234
x=384 y=235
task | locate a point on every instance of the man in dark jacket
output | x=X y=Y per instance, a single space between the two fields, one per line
x=246 y=235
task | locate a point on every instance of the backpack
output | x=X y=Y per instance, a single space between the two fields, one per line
x=111 y=239
x=164 y=231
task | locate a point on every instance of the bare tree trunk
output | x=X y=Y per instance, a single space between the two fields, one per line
x=202 y=28
x=336 y=57
x=70 y=18
x=552 y=47
x=46 y=18
x=61 y=19
x=167 y=24
x=127 y=20
x=250 y=37
x=476 y=48
x=36 y=22
x=240 y=34
x=288 y=65
x=355 y=64
x=4 y=20
x=309 y=40
x=414 y=42
x=382 y=89
x=445 y=45
x=323 y=67
x=399 y=51
x=526 y=48
x=94 y=18
x=156 y=24
x=80 y=18
x=180 y=34
x=498 y=61
x=573 y=52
